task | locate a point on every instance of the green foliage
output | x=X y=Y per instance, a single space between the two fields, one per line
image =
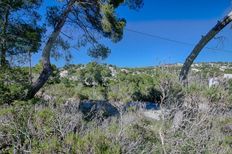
x=128 y=87
x=95 y=82
x=214 y=94
x=99 y=52
x=230 y=86
x=13 y=84
x=209 y=71
x=147 y=131
x=43 y=126
x=94 y=74
x=20 y=32
x=134 y=4
x=53 y=14
x=97 y=18
x=49 y=145
x=99 y=143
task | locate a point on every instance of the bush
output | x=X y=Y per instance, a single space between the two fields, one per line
x=214 y=94
x=14 y=83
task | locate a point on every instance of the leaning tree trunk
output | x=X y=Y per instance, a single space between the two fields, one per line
x=201 y=44
x=3 y=61
x=47 y=70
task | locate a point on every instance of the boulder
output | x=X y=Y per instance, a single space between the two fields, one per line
x=227 y=129
x=154 y=115
x=141 y=105
x=71 y=106
x=177 y=120
x=63 y=73
x=214 y=82
x=97 y=109
x=204 y=107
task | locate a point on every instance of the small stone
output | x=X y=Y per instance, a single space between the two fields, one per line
x=155 y=115
x=178 y=118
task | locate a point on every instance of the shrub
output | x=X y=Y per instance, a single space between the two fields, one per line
x=14 y=83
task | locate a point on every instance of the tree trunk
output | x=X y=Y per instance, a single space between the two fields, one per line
x=4 y=38
x=47 y=70
x=3 y=57
x=201 y=44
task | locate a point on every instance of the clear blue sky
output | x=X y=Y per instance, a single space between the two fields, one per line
x=182 y=20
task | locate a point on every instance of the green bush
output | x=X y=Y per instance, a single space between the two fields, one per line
x=14 y=83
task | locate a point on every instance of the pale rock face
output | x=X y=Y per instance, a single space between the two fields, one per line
x=124 y=70
x=213 y=82
x=223 y=68
x=186 y=104
x=195 y=70
x=47 y=97
x=154 y=115
x=195 y=65
x=204 y=107
x=113 y=71
x=178 y=118
x=64 y=74
x=227 y=76
x=74 y=78
x=216 y=81
x=129 y=118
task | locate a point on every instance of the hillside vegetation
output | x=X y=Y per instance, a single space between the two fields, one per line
x=96 y=108
x=99 y=108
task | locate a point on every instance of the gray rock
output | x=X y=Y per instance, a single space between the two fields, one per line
x=227 y=130
x=141 y=106
x=154 y=115
x=97 y=109
x=177 y=120
x=204 y=107
x=71 y=106
x=64 y=73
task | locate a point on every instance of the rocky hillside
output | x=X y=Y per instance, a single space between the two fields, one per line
x=105 y=109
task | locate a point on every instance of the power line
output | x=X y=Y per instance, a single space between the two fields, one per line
x=159 y=37
x=174 y=41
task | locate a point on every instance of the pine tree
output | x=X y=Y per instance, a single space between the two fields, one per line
x=91 y=17
x=19 y=30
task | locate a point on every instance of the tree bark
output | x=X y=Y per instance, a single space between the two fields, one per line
x=201 y=44
x=4 y=38
x=47 y=70
x=3 y=57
